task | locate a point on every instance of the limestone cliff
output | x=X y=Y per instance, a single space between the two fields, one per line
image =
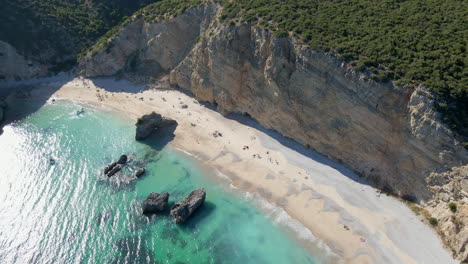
x=390 y=135
x=14 y=66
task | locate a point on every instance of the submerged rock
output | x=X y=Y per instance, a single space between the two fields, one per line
x=147 y=124
x=155 y=203
x=139 y=172
x=183 y=210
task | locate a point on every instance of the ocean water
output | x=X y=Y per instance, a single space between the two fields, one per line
x=65 y=211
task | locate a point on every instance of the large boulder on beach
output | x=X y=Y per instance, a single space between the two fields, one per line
x=155 y=203
x=147 y=124
x=183 y=210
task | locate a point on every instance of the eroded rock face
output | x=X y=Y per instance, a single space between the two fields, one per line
x=148 y=124
x=183 y=210
x=155 y=203
x=451 y=187
x=391 y=136
x=14 y=66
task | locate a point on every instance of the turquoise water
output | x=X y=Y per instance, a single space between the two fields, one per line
x=68 y=212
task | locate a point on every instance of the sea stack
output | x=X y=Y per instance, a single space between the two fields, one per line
x=150 y=123
x=155 y=203
x=183 y=210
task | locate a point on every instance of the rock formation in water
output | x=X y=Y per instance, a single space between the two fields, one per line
x=139 y=172
x=155 y=203
x=183 y=210
x=150 y=123
x=390 y=135
x=111 y=169
x=122 y=160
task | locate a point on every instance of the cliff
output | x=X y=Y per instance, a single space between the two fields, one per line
x=389 y=135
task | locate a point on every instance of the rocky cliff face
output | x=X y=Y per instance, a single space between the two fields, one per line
x=389 y=135
x=14 y=66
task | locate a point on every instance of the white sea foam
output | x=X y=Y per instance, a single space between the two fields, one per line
x=280 y=217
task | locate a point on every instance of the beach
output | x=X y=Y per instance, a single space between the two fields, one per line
x=355 y=221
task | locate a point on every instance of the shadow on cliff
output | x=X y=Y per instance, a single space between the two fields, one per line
x=294 y=146
x=24 y=98
x=114 y=85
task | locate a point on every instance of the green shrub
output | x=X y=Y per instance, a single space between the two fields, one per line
x=280 y=33
x=453 y=207
x=433 y=221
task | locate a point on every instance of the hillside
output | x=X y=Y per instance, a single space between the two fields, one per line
x=54 y=32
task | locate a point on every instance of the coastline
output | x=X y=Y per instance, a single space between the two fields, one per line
x=321 y=195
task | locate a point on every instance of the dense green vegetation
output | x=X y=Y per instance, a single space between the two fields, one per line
x=65 y=27
x=410 y=41
x=167 y=8
x=453 y=207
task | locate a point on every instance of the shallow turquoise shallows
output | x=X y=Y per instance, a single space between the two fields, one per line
x=56 y=207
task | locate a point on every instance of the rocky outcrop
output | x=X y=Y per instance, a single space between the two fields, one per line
x=183 y=210
x=451 y=187
x=111 y=169
x=153 y=49
x=14 y=66
x=390 y=135
x=139 y=172
x=150 y=123
x=122 y=160
x=155 y=203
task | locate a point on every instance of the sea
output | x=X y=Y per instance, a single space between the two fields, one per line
x=56 y=206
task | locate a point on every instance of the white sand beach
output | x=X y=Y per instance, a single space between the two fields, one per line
x=354 y=220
